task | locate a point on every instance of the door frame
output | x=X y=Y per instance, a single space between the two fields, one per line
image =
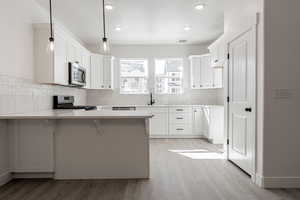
x=253 y=29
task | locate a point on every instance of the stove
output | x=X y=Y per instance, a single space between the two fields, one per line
x=67 y=102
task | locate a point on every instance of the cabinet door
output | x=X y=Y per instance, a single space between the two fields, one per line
x=33 y=146
x=72 y=52
x=218 y=78
x=195 y=72
x=97 y=81
x=108 y=72
x=61 y=75
x=87 y=65
x=197 y=121
x=206 y=72
x=214 y=52
x=159 y=124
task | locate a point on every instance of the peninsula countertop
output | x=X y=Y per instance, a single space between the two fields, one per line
x=79 y=114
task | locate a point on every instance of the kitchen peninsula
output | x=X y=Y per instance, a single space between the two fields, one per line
x=69 y=144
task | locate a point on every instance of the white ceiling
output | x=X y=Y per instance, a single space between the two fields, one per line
x=142 y=21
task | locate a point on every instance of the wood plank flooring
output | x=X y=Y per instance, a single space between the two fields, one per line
x=181 y=169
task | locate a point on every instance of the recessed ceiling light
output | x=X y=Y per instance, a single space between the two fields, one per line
x=199 y=6
x=118 y=28
x=187 y=28
x=182 y=41
x=108 y=7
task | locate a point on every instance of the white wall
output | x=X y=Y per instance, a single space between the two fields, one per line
x=151 y=52
x=281 y=127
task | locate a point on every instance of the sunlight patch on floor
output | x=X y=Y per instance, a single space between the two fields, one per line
x=199 y=154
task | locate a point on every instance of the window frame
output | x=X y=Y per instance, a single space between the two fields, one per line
x=147 y=76
x=169 y=77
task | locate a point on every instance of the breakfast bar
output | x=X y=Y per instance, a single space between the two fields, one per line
x=69 y=144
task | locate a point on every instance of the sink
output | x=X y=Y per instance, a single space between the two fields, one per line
x=124 y=108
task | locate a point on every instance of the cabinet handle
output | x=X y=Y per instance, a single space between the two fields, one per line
x=216 y=61
x=179 y=129
x=179 y=118
x=109 y=86
x=179 y=109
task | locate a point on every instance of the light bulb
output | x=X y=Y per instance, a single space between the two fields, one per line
x=51 y=44
x=105 y=46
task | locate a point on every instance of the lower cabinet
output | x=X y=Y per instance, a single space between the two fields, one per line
x=187 y=122
x=32 y=146
x=159 y=124
x=213 y=124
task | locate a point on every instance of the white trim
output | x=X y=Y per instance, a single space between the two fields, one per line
x=199 y=56
x=40 y=175
x=5 y=178
x=176 y=137
x=277 y=182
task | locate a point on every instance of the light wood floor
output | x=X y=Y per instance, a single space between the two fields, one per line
x=180 y=170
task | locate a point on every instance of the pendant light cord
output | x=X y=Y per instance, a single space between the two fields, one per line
x=51 y=22
x=103 y=12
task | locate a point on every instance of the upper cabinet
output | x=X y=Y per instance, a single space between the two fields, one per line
x=203 y=76
x=102 y=72
x=51 y=67
x=218 y=53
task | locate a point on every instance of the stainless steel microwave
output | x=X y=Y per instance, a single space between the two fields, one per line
x=77 y=75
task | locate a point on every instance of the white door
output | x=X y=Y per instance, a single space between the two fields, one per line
x=242 y=95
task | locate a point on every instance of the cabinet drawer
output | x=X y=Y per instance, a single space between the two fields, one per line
x=183 y=109
x=180 y=118
x=180 y=129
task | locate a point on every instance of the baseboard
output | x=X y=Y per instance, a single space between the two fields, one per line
x=176 y=137
x=277 y=182
x=33 y=175
x=5 y=178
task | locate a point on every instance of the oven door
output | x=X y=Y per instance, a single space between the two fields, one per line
x=77 y=75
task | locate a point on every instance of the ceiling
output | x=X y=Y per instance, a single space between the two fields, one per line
x=142 y=21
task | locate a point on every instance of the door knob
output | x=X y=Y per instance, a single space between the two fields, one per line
x=248 y=109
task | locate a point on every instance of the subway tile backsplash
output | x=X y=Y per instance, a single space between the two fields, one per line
x=19 y=95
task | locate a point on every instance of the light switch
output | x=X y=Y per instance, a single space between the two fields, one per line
x=282 y=93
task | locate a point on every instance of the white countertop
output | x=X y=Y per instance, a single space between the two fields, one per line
x=158 y=105
x=79 y=114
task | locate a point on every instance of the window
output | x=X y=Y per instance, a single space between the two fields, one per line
x=168 y=76
x=133 y=76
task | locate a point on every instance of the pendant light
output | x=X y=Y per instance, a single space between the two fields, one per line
x=104 y=43
x=51 y=38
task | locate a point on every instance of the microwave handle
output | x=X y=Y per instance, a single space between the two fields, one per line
x=83 y=76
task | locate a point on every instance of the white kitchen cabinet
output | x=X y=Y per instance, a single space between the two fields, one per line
x=203 y=76
x=213 y=124
x=206 y=73
x=198 y=121
x=218 y=53
x=86 y=60
x=32 y=146
x=51 y=67
x=218 y=77
x=102 y=71
x=180 y=121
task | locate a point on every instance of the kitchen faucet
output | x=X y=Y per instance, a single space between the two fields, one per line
x=152 y=100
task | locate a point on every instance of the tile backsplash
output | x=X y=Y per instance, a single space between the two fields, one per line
x=19 y=95
x=193 y=97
